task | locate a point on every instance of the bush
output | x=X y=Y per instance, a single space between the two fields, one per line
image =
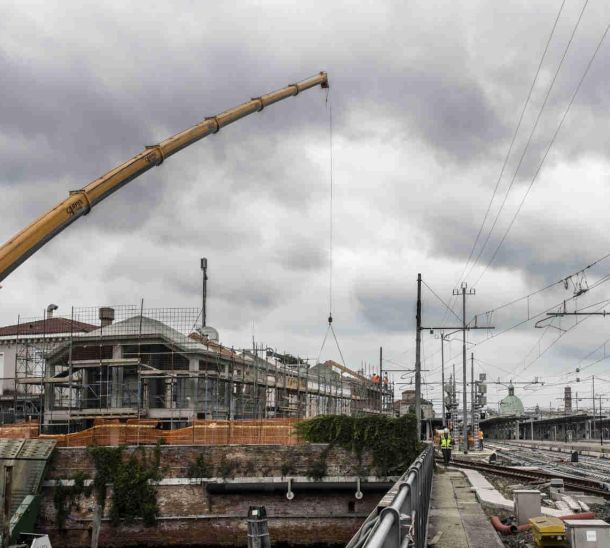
x=226 y=467
x=134 y=493
x=201 y=468
x=392 y=441
x=67 y=497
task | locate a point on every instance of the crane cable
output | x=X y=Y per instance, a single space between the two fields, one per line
x=330 y=328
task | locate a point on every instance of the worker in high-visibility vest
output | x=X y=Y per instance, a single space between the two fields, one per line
x=481 y=440
x=446 y=444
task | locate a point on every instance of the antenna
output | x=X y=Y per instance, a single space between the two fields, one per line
x=204 y=268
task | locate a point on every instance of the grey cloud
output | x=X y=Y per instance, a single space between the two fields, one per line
x=424 y=97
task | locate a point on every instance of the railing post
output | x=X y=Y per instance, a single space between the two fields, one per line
x=403 y=523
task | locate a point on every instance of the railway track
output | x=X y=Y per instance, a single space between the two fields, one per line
x=592 y=487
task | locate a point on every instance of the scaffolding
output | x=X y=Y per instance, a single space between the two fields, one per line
x=136 y=363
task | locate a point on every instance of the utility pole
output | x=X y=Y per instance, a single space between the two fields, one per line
x=472 y=398
x=601 y=423
x=453 y=404
x=443 y=380
x=381 y=385
x=593 y=436
x=463 y=292
x=204 y=293
x=418 y=359
x=463 y=328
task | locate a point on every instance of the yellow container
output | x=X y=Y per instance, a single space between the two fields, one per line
x=548 y=531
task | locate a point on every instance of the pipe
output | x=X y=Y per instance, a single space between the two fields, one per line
x=268 y=487
x=512 y=529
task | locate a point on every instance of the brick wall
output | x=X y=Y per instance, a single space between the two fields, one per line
x=251 y=460
x=190 y=516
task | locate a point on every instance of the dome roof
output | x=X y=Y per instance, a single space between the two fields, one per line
x=511 y=405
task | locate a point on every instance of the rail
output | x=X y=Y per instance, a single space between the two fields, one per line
x=400 y=520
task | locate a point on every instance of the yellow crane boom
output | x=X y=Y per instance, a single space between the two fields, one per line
x=79 y=202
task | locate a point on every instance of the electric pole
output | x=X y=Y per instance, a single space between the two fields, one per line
x=418 y=359
x=443 y=379
x=593 y=407
x=472 y=398
x=381 y=384
x=463 y=292
x=601 y=423
x=454 y=403
x=204 y=292
x=463 y=328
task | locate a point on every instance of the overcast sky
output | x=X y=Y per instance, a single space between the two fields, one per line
x=425 y=99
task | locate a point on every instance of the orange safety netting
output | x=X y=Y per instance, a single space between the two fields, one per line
x=146 y=432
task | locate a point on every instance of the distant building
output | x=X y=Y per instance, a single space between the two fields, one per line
x=22 y=349
x=130 y=363
x=406 y=405
x=511 y=405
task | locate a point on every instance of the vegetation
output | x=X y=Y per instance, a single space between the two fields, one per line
x=134 y=493
x=288 y=466
x=318 y=469
x=391 y=441
x=227 y=467
x=201 y=468
x=67 y=497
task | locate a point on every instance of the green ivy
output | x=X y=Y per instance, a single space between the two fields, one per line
x=227 y=467
x=391 y=441
x=318 y=469
x=134 y=493
x=107 y=461
x=201 y=468
x=67 y=497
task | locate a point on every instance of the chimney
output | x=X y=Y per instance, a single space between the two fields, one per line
x=50 y=309
x=106 y=315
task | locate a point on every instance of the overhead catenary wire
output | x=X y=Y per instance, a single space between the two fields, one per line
x=543 y=312
x=548 y=286
x=529 y=139
x=548 y=148
x=514 y=137
x=560 y=336
x=507 y=156
x=441 y=301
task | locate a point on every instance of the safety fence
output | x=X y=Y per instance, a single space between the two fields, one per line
x=146 y=432
x=400 y=520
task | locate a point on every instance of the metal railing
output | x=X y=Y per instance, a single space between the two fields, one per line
x=400 y=520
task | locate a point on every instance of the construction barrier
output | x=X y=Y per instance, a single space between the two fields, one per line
x=147 y=432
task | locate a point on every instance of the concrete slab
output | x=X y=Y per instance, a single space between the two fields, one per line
x=456 y=518
x=488 y=495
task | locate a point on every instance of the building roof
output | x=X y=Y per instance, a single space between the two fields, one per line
x=142 y=327
x=50 y=326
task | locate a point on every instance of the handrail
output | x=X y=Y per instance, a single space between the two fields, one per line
x=402 y=523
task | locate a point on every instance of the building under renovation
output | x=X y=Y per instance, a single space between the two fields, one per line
x=128 y=362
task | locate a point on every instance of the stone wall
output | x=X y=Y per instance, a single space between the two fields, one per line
x=250 y=460
x=190 y=516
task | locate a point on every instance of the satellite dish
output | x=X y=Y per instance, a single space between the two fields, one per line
x=209 y=332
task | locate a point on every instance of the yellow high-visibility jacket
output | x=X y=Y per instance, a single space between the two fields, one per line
x=446 y=442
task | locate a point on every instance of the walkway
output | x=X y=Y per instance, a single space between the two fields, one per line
x=456 y=518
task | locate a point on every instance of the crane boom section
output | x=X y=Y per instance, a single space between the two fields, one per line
x=79 y=202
